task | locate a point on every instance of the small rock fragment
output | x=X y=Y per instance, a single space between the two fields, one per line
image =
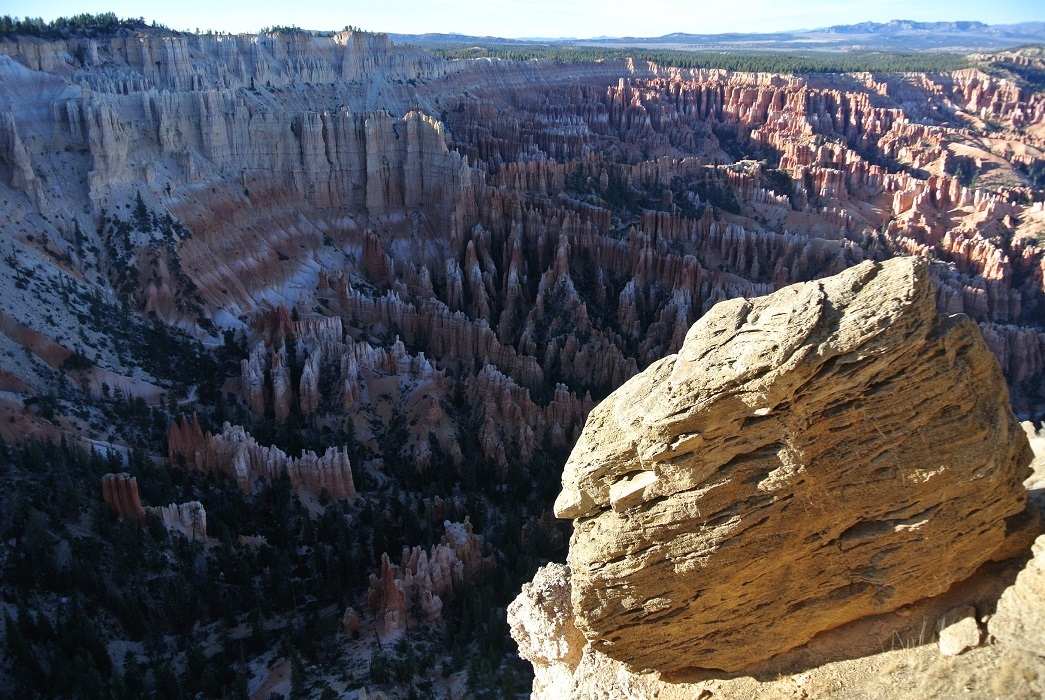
x=959 y=631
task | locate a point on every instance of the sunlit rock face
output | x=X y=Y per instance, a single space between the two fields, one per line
x=807 y=463
x=834 y=450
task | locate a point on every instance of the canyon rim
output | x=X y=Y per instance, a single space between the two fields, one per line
x=299 y=331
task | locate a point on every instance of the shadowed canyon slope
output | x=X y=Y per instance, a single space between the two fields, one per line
x=414 y=278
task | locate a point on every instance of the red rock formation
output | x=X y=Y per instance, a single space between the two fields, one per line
x=423 y=580
x=120 y=491
x=185 y=438
x=236 y=454
x=477 y=280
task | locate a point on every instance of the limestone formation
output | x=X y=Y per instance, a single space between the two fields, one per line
x=188 y=519
x=471 y=241
x=1022 y=606
x=834 y=450
x=184 y=439
x=450 y=261
x=423 y=580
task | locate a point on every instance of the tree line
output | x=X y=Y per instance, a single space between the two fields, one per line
x=746 y=61
x=82 y=25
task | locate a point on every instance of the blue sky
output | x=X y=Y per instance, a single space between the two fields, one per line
x=529 y=18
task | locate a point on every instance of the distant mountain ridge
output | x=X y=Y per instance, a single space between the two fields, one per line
x=903 y=24
x=898 y=26
x=895 y=35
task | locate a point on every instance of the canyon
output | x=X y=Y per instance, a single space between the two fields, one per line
x=415 y=279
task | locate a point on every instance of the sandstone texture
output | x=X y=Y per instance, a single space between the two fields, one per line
x=1036 y=482
x=835 y=450
x=884 y=657
x=1021 y=609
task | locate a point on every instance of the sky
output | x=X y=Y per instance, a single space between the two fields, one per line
x=534 y=18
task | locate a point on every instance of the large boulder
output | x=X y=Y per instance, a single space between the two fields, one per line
x=831 y=451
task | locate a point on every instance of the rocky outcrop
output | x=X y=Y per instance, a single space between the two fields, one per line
x=495 y=210
x=1022 y=606
x=184 y=439
x=835 y=450
x=120 y=491
x=188 y=519
x=450 y=262
x=419 y=585
x=236 y=454
x=541 y=621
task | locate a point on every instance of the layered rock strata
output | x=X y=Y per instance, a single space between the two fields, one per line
x=565 y=224
x=835 y=450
